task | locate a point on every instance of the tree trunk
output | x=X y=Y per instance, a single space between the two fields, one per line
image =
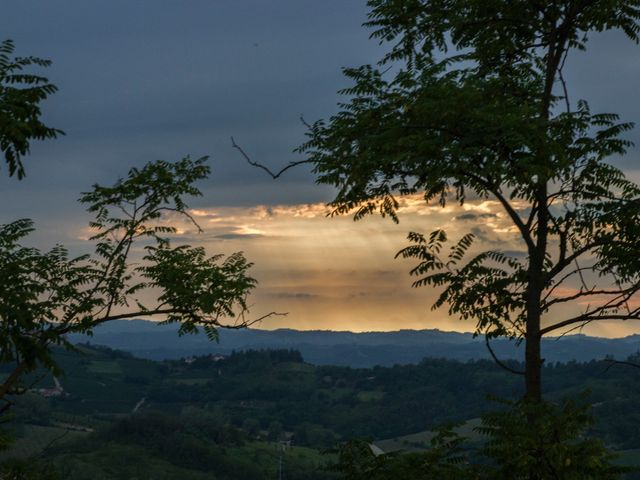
x=536 y=280
x=533 y=364
x=533 y=360
x=533 y=379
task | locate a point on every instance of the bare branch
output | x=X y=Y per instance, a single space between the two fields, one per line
x=168 y=311
x=590 y=317
x=498 y=361
x=562 y=280
x=266 y=169
x=12 y=379
x=613 y=362
x=247 y=323
x=305 y=123
x=563 y=82
x=186 y=214
x=53 y=441
x=573 y=329
x=590 y=292
x=524 y=231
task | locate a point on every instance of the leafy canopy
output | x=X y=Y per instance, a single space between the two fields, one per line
x=470 y=101
x=509 y=448
x=21 y=94
x=46 y=295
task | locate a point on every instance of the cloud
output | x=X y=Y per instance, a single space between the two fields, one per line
x=474 y=216
x=515 y=253
x=295 y=295
x=237 y=236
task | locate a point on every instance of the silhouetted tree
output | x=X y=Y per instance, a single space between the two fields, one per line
x=21 y=94
x=44 y=296
x=471 y=99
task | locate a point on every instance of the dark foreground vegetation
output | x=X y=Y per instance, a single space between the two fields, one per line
x=117 y=416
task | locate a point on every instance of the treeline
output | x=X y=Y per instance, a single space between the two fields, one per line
x=201 y=410
x=322 y=404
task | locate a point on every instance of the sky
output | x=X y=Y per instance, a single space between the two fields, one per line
x=161 y=79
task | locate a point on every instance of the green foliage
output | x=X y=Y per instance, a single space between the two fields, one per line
x=443 y=460
x=21 y=94
x=470 y=98
x=533 y=441
x=31 y=408
x=21 y=470
x=474 y=118
x=208 y=402
x=46 y=295
x=547 y=440
x=185 y=445
x=489 y=288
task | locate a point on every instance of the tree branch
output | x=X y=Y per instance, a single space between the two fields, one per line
x=613 y=362
x=498 y=361
x=12 y=378
x=589 y=292
x=524 y=231
x=266 y=169
x=589 y=317
x=167 y=311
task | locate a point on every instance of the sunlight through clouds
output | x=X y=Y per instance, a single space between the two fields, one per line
x=334 y=273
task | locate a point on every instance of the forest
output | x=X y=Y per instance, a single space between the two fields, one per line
x=227 y=417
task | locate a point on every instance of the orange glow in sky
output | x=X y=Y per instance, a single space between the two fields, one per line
x=334 y=273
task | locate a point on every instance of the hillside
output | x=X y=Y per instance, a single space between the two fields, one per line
x=359 y=350
x=208 y=415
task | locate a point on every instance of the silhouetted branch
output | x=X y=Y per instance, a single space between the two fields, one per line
x=266 y=169
x=305 y=123
x=613 y=362
x=186 y=214
x=167 y=311
x=597 y=314
x=563 y=81
x=52 y=442
x=562 y=280
x=8 y=404
x=592 y=292
x=247 y=323
x=12 y=378
x=498 y=361
x=573 y=329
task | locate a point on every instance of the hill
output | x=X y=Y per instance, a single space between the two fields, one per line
x=224 y=416
x=146 y=339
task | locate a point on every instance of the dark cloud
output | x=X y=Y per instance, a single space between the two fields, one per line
x=486 y=236
x=474 y=216
x=295 y=295
x=515 y=253
x=161 y=79
x=480 y=234
x=238 y=236
x=384 y=273
x=361 y=294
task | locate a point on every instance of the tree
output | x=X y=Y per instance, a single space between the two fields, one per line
x=471 y=100
x=46 y=295
x=510 y=451
x=20 y=96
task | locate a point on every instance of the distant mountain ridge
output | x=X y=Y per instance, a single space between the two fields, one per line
x=147 y=339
